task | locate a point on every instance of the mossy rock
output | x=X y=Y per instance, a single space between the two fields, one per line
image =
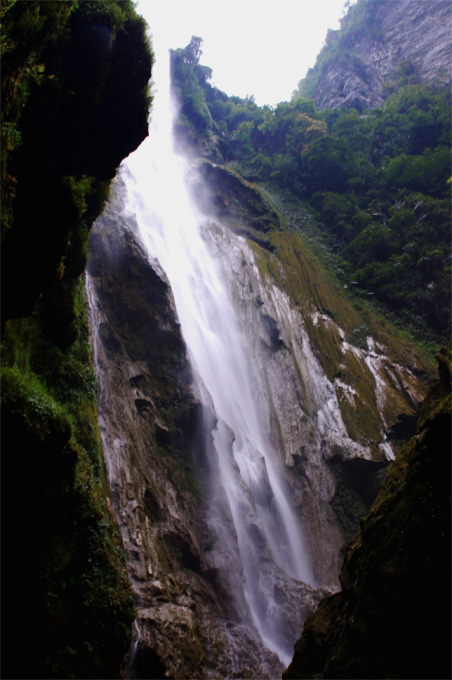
x=396 y=574
x=331 y=320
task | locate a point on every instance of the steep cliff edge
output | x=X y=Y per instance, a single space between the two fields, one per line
x=392 y=616
x=83 y=86
x=379 y=43
x=74 y=103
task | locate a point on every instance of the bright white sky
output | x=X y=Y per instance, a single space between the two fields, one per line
x=254 y=47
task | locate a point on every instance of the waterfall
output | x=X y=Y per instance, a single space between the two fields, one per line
x=251 y=512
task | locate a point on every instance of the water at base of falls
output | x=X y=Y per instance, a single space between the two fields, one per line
x=250 y=515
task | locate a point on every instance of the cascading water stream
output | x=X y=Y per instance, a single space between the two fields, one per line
x=266 y=529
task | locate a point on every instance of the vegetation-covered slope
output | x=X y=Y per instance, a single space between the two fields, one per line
x=376 y=182
x=74 y=103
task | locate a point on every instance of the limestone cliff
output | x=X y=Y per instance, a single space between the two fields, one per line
x=380 y=42
x=392 y=617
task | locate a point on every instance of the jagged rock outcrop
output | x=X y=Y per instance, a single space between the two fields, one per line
x=392 y=617
x=378 y=43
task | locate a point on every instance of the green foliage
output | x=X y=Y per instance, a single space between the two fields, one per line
x=428 y=172
x=11 y=136
x=328 y=165
x=27 y=28
x=356 y=130
x=360 y=335
x=113 y=15
x=79 y=72
x=26 y=396
x=188 y=77
x=80 y=189
x=377 y=182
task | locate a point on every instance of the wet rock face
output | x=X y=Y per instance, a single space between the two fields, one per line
x=392 y=617
x=147 y=415
x=189 y=622
x=406 y=31
x=329 y=405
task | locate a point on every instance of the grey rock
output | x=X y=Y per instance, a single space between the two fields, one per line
x=402 y=31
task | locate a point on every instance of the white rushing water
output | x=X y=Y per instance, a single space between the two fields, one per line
x=265 y=527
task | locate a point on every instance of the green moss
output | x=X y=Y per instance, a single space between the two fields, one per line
x=81 y=593
x=354 y=314
x=25 y=395
x=330 y=318
x=75 y=93
x=80 y=188
x=293 y=254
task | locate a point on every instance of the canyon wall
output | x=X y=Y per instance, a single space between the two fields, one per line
x=339 y=387
x=331 y=403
